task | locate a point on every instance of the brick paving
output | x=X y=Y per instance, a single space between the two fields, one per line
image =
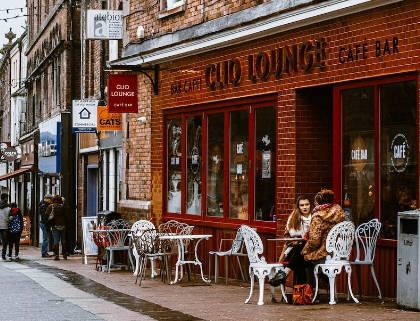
x=194 y=300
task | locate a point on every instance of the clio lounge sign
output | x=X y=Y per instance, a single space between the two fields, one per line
x=122 y=94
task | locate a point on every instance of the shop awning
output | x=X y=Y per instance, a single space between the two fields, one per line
x=16 y=172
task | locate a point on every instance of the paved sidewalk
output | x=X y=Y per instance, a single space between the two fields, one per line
x=195 y=301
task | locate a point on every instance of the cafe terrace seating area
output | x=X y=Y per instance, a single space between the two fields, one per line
x=171 y=250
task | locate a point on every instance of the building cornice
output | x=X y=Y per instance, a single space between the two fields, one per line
x=287 y=21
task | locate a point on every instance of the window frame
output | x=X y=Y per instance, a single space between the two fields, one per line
x=182 y=113
x=337 y=142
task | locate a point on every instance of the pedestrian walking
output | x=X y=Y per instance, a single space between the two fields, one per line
x=57 y=220
x=15 y=230
x=4 y=223
x=44 y=224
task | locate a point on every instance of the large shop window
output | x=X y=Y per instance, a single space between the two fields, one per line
x=379 y=144
x=220 y=165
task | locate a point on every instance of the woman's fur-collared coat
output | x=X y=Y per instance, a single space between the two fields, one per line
x=324 y=218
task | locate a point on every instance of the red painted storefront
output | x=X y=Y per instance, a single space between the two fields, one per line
x=238 y=133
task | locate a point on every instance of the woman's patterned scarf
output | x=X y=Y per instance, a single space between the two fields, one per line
x=321 y=207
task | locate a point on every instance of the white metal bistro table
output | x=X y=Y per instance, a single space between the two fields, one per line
x=181 y=252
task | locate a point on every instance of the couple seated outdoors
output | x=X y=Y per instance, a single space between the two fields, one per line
x=324 y=241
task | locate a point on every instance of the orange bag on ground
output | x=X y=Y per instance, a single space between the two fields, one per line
x=302 y=294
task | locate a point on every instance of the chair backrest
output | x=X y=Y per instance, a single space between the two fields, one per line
x=118 y=224
x=253 y=244
x=142 y=225
x=118 y=237
x=175 y=227
x=366 y=236
x=237 y=244
x=145 y=242
x=340 y=241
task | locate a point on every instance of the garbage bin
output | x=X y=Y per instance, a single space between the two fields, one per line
x=104 y=217
x=408 y=252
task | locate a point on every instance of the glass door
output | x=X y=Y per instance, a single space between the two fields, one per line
x=379 y=172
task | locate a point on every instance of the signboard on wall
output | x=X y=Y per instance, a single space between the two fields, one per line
x=84 y=116
x=122 y=94
x=107 y=120
x=104 y=24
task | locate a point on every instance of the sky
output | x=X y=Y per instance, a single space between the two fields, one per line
x=16 y=24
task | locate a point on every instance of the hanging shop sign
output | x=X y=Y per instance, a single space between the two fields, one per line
x=84 y=116
x=104 y=24
x=108 y=121
x=122 y=94
x=9 y=154
x=400 y=153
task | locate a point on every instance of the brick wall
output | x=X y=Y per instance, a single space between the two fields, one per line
x=299 y=116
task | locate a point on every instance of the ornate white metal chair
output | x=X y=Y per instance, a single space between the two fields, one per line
x=137 y=228
x=339 y=243
x=117 y=232
x=366 y=236
x=170 y=248
x=257 y=265
x=237 y=249
x=148 y=247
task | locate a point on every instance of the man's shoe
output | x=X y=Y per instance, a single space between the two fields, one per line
x=56 y=258
x=3 y=258
x=46 y=255
x=17 y=258
x=10 y=259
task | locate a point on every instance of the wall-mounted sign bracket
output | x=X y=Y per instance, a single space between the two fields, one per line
x=151 y=73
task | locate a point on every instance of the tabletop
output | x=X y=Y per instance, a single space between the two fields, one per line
x=185 y=236
x=287 y=239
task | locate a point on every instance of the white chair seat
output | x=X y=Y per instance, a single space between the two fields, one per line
x=339 y=243
x=366 y=236
x=235 y=250
x=258 y=267
x=137 y=227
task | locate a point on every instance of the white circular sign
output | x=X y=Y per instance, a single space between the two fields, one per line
x=400 y=153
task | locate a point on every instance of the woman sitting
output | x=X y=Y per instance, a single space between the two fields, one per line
x=296 y=227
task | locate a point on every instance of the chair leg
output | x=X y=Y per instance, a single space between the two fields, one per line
x=283 y=293
x=261 y=278
x=331 y=281
x=251 y=276
x=316 y=283
x=216 y=268
x=348 y=271
x=226 y=269
x=372 y=271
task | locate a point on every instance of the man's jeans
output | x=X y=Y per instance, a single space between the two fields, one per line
x=45 y=236
x=5 y=241
x=57 y=236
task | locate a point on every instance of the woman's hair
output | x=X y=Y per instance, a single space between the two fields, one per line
x=57 y=199
x=325 y=196
x=294 y=221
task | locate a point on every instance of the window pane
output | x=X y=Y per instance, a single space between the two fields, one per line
x=358 y=153
x=215 y=147
x=264 y=163
x=174 y=165
x=239 y=164
x=398 y=153
x=194 y=165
